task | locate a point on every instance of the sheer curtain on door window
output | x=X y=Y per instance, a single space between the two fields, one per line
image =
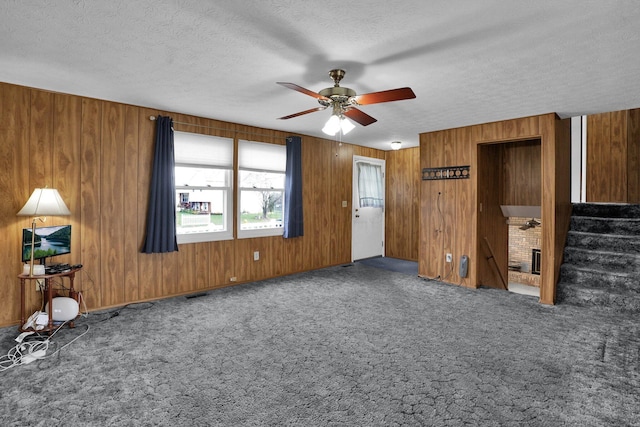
x=370 y=185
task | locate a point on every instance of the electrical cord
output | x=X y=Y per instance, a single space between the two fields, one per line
x=59 y=285
x=84 y=305
x=441 y=230
x=69 y=343
x=24 y=353
x=91 y=284
x=440 y=212
x=449 y=273
x=136 y=306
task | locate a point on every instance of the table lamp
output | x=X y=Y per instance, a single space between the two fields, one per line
x=42 y=203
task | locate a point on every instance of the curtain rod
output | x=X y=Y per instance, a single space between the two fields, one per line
x=153 y=118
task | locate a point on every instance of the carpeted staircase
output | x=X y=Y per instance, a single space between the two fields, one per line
x=601 y=265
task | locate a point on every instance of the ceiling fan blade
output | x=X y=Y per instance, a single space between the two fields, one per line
x=300 y=89
x=385 y=96
x=360 y=117
x=312 y=110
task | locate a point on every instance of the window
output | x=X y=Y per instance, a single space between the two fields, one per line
x=204 y=177
x=370 y=185
x=261 y=170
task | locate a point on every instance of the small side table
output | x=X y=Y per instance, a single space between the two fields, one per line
x=48 y=289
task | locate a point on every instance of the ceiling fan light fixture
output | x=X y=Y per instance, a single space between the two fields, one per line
x=332 y=126
x=346 y=125
x=336 y=124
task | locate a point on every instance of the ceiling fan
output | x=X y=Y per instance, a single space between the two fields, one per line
x=344 y=100
x=532 y=223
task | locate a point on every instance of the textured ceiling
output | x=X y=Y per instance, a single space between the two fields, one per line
x=467 y=61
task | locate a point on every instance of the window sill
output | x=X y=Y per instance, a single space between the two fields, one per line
x=260 y=232
x=203 y=237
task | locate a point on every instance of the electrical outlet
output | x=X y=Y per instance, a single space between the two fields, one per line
x=448 y=257
x=233 y=279
x=39 y=285
x=256 y=255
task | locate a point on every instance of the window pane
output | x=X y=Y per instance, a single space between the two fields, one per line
x=260 y=209
x=201 y=177
x=200 y=211
x=251 y=179
x=370 y=185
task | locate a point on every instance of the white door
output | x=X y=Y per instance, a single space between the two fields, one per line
x=367 y=216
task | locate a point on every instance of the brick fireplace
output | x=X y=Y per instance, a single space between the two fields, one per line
x=522 y=244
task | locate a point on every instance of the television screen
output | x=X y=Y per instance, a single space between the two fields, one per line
x=49 y=241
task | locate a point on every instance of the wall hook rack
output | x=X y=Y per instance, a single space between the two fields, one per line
x=446 y=172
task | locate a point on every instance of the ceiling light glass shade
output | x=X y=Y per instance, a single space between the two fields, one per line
x=337 y=123
x=44 y=202
x=332 y=126
x=346 y=125
x=395 y=145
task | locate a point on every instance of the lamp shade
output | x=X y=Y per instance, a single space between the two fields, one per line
x=44 y=202
x=346 y=125
x=332 y=126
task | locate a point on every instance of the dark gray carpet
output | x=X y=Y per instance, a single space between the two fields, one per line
x=355 y=346
x=601 y=260
x=392 y=264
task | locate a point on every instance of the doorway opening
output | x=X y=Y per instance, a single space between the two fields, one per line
x=509 y=219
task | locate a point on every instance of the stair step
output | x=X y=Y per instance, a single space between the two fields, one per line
x=604 y=242
x=621 y=226
x=606 y=210
x=597 y=279
x=605 y=261
x=601 y=259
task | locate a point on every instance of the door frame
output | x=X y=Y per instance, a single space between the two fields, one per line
x=354 y=190
x=491 y=224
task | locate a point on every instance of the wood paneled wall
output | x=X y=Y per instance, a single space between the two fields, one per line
x=633 y=156
x=456 y=215
x=446 y=207
x=613 y=157
x=493 y=234
x=522 y=173
x=99 y=155
x=402 y=203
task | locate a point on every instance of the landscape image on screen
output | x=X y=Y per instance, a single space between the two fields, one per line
x=49 y=241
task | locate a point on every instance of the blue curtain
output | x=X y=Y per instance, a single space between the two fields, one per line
x=293 y=218
x=161 y=215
